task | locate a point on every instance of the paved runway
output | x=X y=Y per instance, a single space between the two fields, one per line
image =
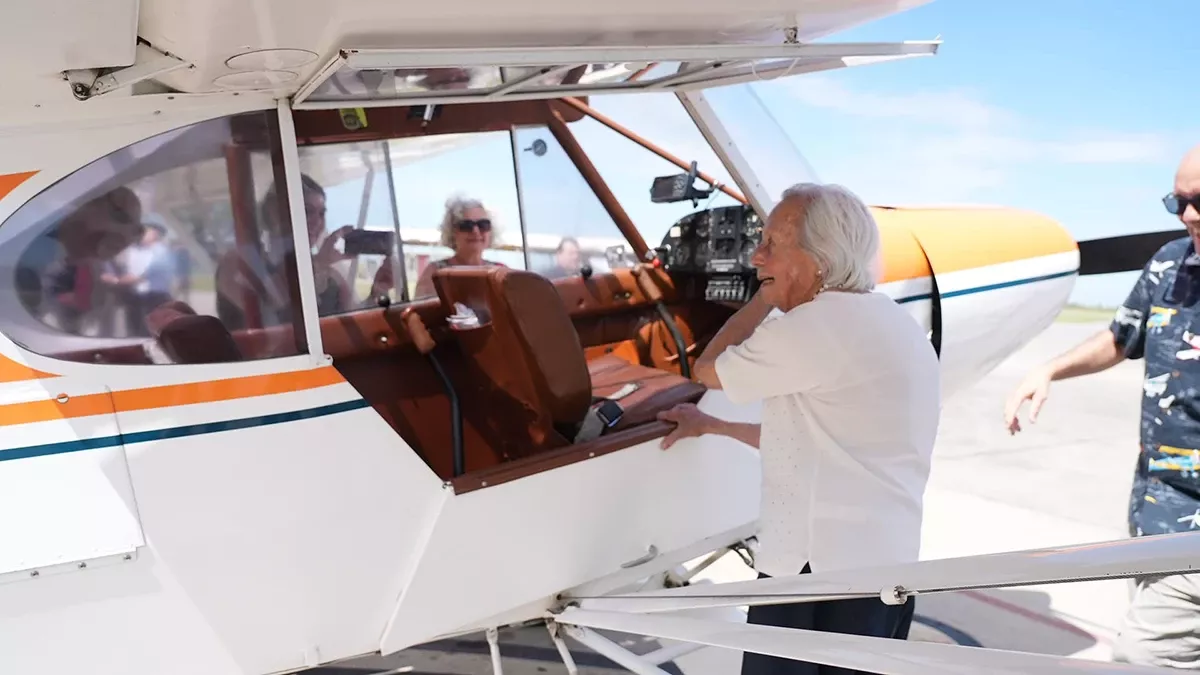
x=1064 y=480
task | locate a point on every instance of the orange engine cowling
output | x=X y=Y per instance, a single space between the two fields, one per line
x=982 y=281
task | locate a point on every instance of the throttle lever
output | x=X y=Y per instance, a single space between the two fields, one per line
x=417 y=332
x=651 y=289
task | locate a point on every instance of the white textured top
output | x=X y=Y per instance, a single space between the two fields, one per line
x=851 y=398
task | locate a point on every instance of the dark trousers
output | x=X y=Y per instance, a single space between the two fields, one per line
x=865 y=616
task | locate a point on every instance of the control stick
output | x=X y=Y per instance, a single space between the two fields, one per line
x=653 y=292
x=424 y=343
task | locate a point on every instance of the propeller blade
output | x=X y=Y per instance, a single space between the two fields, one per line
x=1127 y=253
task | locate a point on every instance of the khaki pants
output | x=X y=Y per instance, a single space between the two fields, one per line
x=1162 y=626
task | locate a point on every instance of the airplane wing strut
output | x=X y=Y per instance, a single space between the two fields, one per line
x=646 y=612
x=1118 y=559
x=868 y=654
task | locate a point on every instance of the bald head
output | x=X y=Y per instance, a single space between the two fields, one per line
x=1187 y=188
x=1187 y=176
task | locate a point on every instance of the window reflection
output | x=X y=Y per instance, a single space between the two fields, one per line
x=158 y=253
x=449 y=202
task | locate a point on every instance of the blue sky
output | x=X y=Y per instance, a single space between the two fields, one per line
x=1076 y=109
x=1073 y=108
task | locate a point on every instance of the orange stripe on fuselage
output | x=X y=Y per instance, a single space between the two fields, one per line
x=11 y=181
x=963 y=238
x=168 y=396
x=11 y=371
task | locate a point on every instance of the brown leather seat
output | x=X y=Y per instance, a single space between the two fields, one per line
x=187 y=337
x=657 y=389
x=532 y=377
x=198 y=338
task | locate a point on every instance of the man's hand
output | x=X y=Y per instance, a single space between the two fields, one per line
x=689 y=420
x=1097 y=353
x=1036 y=388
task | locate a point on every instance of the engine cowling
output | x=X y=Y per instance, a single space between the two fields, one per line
x=982 y=281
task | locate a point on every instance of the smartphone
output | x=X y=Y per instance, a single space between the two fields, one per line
x=369 y=242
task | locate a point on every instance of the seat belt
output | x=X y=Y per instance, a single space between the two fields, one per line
x=604 y=413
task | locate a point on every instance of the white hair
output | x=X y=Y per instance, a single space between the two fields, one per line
x=840 y=232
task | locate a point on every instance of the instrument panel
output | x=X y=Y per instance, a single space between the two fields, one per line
x=717 y=243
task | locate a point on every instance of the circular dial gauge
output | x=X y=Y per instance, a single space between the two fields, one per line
x=748 y=252
x=752 y=227
x=682 y=254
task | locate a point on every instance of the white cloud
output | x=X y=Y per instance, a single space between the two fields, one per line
x=956 y=109
x=1115 y=148
x=953 y=145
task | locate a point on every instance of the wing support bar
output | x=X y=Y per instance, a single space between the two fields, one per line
x=1124 y=558
x=868 y=654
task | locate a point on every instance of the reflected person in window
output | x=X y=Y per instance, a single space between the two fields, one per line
x=86 y=241
x=264 y=277
x=143 y=277
x=566 y=259
x=466 y=229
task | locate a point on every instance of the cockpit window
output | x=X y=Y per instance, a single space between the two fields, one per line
x=351 y=227
x=629 y=169
x=171 y=250
x=567 y=228
x=383 y=215
x=760 y=140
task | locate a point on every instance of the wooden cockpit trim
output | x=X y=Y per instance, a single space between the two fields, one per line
x=320 y=127
x=521 y=468
x=570 y=103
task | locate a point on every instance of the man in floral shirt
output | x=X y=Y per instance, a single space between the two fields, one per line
x=1160 y=323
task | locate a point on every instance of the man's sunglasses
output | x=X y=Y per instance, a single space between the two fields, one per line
x=484 y=225
x=1177 y=204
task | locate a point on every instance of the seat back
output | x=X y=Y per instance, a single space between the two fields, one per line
x=187 y=337
x=535 y=389
x=197 y=338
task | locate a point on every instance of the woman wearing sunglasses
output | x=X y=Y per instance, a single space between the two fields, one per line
x=467 y=230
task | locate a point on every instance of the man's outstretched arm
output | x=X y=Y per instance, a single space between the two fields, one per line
x=1097 y=353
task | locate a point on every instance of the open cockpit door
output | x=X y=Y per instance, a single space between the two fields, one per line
x=357 y=78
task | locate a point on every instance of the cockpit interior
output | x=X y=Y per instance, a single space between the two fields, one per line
x=559 y=342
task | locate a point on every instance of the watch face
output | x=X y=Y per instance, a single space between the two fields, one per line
x=610 y=412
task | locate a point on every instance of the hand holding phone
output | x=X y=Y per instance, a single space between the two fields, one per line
x=368 y=242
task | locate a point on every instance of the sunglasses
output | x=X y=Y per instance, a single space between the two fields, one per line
x=483 y=224
x=1177 y=204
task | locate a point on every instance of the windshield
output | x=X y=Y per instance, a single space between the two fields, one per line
x=630 y=169
x=762 y=142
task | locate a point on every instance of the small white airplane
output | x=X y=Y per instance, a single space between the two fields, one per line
x=218 y=457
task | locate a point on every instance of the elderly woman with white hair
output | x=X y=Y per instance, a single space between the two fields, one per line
x=850 y=392
x=467 y=230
